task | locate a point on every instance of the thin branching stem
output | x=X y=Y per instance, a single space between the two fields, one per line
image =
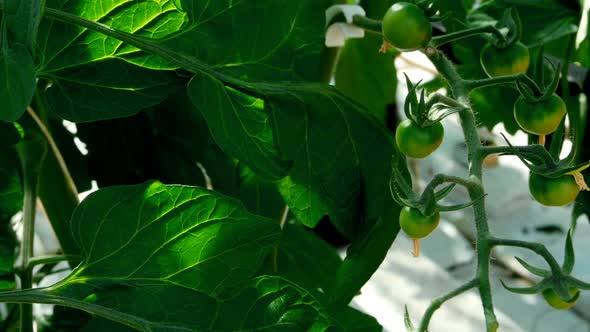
x=460 y=90
x=438 y=302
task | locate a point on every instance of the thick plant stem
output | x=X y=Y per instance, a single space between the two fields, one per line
x=29 y=211
x=460 y=90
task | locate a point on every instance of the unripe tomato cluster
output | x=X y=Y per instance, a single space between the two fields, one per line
x=406 y=27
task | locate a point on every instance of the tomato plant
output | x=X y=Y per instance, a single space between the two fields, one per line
x=553 y=192
x=406 y=26
x=222 y=173
x=418 y=142
x=514 y=59
x=542 y=117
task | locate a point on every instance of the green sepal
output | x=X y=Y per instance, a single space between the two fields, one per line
x=424 y=113
x=535 y=289
x=533 y=269
x=577 y=283
x=541 y=162
x=401 y=191
x=510 y=21
x=440 y=111
x=444 y=191
x=413 y=108
x=457 y=207
x=569 y=258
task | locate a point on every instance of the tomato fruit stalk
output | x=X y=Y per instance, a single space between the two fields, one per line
x=406 y=27
x=512 y=60
x=553 y=192
x=418 y=142
x=542 y=117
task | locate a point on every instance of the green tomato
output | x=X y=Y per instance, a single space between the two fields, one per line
x=540 y=118
x=512 y=60
x=556 y=302
x=406 y=27
x=417 y=225
x=553 y=192
x=417 y=142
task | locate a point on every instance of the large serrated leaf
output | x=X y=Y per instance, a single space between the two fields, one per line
x=150 y=247
x=181 y=235
x=240 y=125
x=267 y=303
x=338 y=150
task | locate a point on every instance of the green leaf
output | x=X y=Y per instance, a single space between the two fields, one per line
x=307 y=260
x=149 y=247
x=96 y=77
x=364 y=256
x=353 y=320
x=64 y=46
x=108 y=89
x=367 y=76
x=11 y=199
x=183 y=140
x=24 y=21
x=583 y=36
x=9 y=134
x=88 y=86
x=240 y=126
x=542 y=21
x=338 y=150
x=17 y=80
x=11 y=191
x=186 y=236
x=267 y=303
x=284 y=44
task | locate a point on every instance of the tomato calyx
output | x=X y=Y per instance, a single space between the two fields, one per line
x=427 y=113
x=533 y=91
x=558 y=288
x=541 y=162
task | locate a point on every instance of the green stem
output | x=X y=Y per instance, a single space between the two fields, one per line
x=538 y=248
x=438 y=302
x=438 y=98
x=508 y=79
x=453 y=36
x=367 y=23
x=460 y=89
x=27 y=245
x=39 y=296
x=52 y=259
x=184 y=61
x=58 y=156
